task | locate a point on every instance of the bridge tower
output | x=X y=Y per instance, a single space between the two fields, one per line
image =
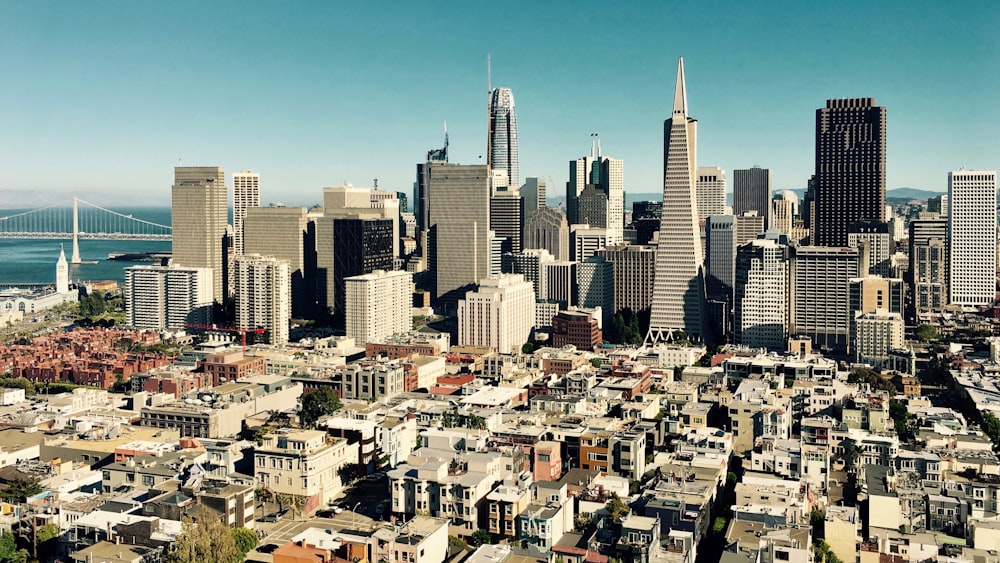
x=76 y=232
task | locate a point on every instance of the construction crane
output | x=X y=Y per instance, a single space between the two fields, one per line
x=242 y=331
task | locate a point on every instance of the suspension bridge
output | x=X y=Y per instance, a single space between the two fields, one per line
x=84 y=220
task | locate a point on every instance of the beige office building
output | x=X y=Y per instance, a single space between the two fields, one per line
x=246 y=194
x=199 y=219
x=499 y=315
x=281 y=232
x=378 y=305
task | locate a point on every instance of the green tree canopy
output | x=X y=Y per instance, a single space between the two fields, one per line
x=246 y=540
x=317 y=404
x=9 y=553
x=204 y=538
x=20 y=488
x=926 y=333
x=481 y=537
x=616 y=508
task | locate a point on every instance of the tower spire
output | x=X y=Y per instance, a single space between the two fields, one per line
x=680 y=93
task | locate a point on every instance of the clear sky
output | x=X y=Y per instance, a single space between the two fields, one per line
x=109 y=96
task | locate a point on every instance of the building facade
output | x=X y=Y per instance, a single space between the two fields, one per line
x=378 y=305
x=502 y=149
x=761 y=313
x=246 y=194
x=972 y=237
x=499 y=315
x=752 y=192
x=820 y=294
x=710 y=188
x=199 y=215
x=547 y=228
x=159 y=297
x=262 y=295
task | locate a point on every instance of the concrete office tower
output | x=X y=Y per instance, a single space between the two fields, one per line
x=160 y=297
x=506 y=218
x=560 y=283
x=595 y=193
x=820 y=300
x=710 y=189
x=262 y=290
x=880 y=245
x=595 y=284
x=547 y=228
x=747 y=227
x=499 y=314
x=678 y=287
x=876 y=334
x=720 y=272
x=928 y=264
x=633 y=268
x=62 y=272
x=782 y=214
x=246 y=194
x=585 y=240
x=850 y=169
x=869 y=294
x=502 y=149
x=360 y=246
x=972 y=237
x=752 y=192
x=379 y=305
x=530 y=263
x=496 y=253
x=761 y=313
x=346 y=201
x=458 y=235
x=434 y=157
x=282 y=232
x=199 y=214
x=533 y=194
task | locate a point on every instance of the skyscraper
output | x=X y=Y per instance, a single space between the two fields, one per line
x=434 y=156
x=198 y=218
x=158 y=297
x=820 y=299
x=595 y=193
x=928 y=264
x=720 y=276
x=246 y=194
x=678 y=287
x=533 y=193
x=378 y=305
x=262 y=295
x=547 y=228
x=458 y=229
x=360 y=246
x=761 y=312
x=502 y=149
x=634 y=268
x=506 y=218
x=711 y=191
x=850 y=169
x=282 y=232
x=972 y=237
x=752 y=192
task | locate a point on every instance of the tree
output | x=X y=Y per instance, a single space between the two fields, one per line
x=899 y=414
x=823 y=554
x=9 y=553
x=991 y=427
x=528 y=348
x=926 y=333
x=245 y=539
x=616 y=508
x=318 y=404
x=204 y=538
x=481 y=537
x=20 y=488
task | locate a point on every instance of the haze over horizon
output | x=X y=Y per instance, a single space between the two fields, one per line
x=107 y=98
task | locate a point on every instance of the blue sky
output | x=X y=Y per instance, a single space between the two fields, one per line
x=109 y=96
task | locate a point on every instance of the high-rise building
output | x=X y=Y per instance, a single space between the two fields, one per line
x=282 y=232
x=850 y=169
x=752 y=192
x=747 y=226
x=434 y=156
x=678 y=286
x=820 y=294
x=928 y=264
x=972 y=237
x=595 y=193
x=876 y=334
x=634 y=267
x=782 y=214
x=646 y=217
x=199 y=213
x=246 y=194
x=160 y=297
x=595 y=285
x=533 y=193
x=710 y=189
x=506 y=218
x=720 y=271
x=760 y=318
x=499 y=314
x=547 y=228
x=530 y=263
x=262 y=295
x=502 y=149
x=458 y=229
x=378 y=305
x=360 y=246
x=880 y=246
x=585 y=240
x=560 y=280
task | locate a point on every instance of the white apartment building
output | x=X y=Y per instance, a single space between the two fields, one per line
x=302 y=463
x=263 y=295
x=877 y=333
x=159 y=297
x=499 y=315
x=378 y=305
x=586 y=240
x=972 y=237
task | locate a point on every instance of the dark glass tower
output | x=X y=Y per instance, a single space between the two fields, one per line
x=850 y=169
x=360 y=246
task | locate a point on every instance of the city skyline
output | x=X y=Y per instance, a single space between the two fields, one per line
x=326 y=112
